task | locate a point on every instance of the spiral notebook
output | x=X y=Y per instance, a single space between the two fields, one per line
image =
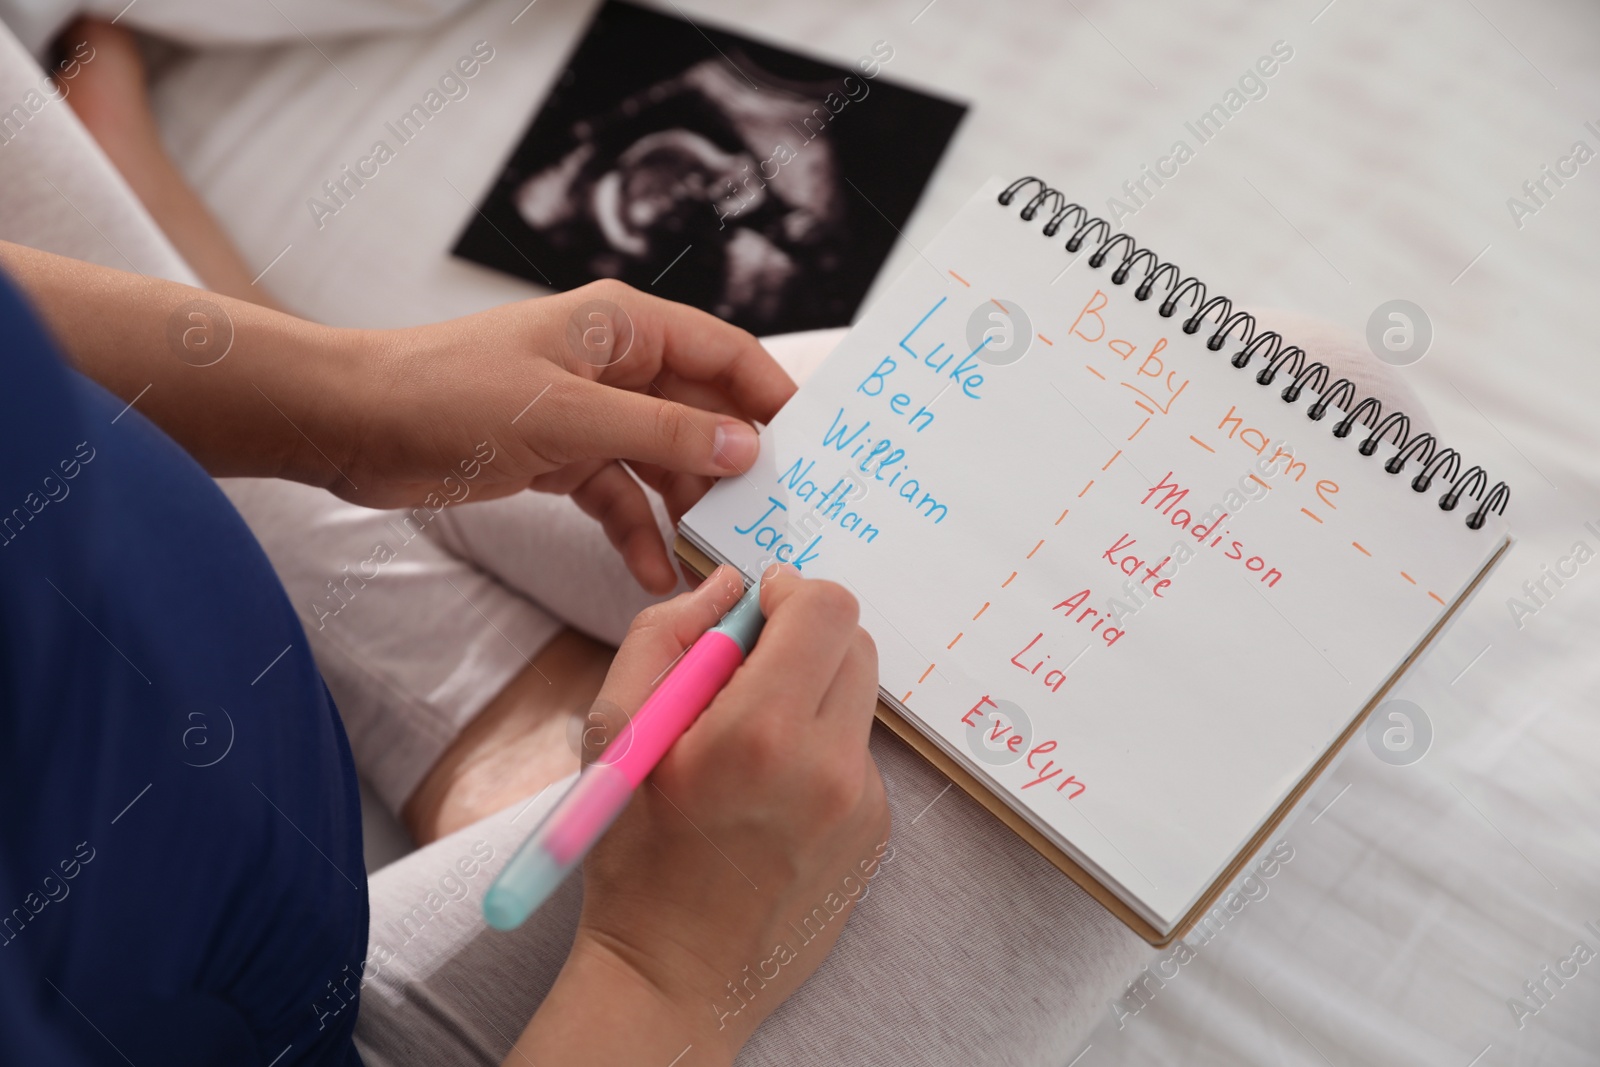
x=1136 y=569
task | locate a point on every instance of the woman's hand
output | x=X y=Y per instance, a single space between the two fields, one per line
x=546 y=394
x=733 y=872
x=560 y=391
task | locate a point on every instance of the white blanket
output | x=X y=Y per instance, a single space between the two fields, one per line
x=224 y=22
x=1378 y=165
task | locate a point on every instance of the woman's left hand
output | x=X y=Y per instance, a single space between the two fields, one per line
x=567 y=394
x=556 y=394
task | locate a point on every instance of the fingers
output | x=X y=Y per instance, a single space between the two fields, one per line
x=662 y=631
x=810 y=625
x=595 y=487
x=800 y=708
x=678 y=397
x=679 y=492
x=693 y=345
x=852 y=699
x=616 y=501
x=695 y=394
x=564 y=480
x=601 y=422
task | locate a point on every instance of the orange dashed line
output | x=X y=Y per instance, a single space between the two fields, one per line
x=925 y=674
x=1135 y=433
x=1142 y=404
x=1408 y=577
x=960 y=279
x=1008 y=581
x=956 y=638
x=1063 y=515
x=982 y=609
x=1361 y=547
x=1112 y=460
x=1195 y=439
x=1094 y=372
x=1036 y=548
x=907 y=697
x=1045 y=339
x=1264 y=485
x=999 y=305
x=1085 y=489
x=1436 y=596
x=1309 y=513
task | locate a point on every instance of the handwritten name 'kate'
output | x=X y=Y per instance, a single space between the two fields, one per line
x=1131 y=564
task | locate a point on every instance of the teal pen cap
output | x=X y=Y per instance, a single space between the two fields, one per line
x=744 y=620
x=567 y=832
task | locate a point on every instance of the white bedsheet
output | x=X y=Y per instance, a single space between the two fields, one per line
x=1378 y=166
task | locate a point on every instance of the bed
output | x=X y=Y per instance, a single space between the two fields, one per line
x=1420 y=900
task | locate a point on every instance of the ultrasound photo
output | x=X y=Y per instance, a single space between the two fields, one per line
x=705 y=167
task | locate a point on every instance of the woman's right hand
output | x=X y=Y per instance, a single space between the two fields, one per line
x=731 y=875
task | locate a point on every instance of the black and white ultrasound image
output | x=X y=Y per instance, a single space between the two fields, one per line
x=762 y=186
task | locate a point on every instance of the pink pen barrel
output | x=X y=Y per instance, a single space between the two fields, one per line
x=558 y=844
x=687 y=690
x=585 y=813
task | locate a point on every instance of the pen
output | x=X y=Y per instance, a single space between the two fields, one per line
x=571 y=828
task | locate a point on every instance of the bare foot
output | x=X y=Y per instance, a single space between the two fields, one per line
x=523 y=741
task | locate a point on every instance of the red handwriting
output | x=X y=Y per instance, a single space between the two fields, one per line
x=1037 y=760
x=1131 y=564
x=1090 y=615
x=1053 y=678
x=1200 y=527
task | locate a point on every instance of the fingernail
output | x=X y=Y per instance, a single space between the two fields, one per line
x=734 y=446
x=777 y=569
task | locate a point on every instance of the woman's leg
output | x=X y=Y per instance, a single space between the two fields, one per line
x=417 y=646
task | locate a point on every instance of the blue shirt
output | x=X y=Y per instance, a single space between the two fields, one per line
x=181 y=876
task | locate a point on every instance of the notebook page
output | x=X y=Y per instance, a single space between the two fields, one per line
x=1133 y=590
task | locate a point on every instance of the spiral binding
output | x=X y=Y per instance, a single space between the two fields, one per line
x=1443 y=463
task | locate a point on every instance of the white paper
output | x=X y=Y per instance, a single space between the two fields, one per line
x=965 y=497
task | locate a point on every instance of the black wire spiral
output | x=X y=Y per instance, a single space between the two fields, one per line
x=1439 y=462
